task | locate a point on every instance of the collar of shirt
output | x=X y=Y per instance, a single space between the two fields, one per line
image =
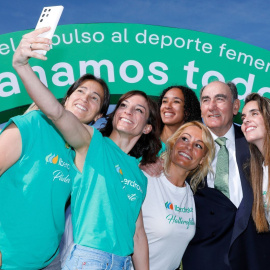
x=230 y=142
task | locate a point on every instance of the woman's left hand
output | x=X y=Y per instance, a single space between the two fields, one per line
x=29 y=44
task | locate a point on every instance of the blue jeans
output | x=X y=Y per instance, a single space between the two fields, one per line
x=86 y=258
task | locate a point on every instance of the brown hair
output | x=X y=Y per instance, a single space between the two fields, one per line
x=148 y=145
x=89 y=77
x=256 y=165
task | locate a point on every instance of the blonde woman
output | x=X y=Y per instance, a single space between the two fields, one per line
x=169 y=210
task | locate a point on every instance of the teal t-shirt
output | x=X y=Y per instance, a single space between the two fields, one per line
x=107 y=200
x=163 y=148
x=33 y=194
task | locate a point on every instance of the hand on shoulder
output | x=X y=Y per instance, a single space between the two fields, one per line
x=153 y=169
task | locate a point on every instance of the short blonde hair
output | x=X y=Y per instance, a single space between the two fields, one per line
x=197 y=175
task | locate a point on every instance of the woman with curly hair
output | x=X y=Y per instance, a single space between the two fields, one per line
x=256 y=128
x=178 y=105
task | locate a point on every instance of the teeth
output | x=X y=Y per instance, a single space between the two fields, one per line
x=125 y=120
x=185 y=155
x=215 y=115
x=250 y=128
x=80 y=107
x=168 y=114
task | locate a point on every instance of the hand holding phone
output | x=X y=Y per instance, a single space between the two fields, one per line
x=49 y=17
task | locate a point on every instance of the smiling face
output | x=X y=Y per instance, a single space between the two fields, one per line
x=131 y=116
x=85 y=102
x=189 y=150
x=253 y=125
x=217 y=107
x=172 y=107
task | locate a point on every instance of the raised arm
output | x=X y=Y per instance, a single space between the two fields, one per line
x=75 y=133
x=140 y=256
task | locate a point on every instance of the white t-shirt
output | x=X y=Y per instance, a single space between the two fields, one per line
x=169 y=219
x=265 y=187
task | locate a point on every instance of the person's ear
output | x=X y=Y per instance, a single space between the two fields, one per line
x=147 y=129
x=202 y=160
x=97 y=117
x=236 y=106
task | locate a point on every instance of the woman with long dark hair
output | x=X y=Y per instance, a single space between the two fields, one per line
x=256 y=128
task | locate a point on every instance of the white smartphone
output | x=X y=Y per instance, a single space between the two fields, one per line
x=50 y=16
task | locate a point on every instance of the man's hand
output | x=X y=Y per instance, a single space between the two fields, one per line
x=153 y=169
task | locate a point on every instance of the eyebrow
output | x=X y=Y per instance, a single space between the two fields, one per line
x=135 y=105
x=221 y=95
x=186 y=134
x=216 y=96
x=88 y=89
x=141 y=106
x=190 y=137
x=252 y=110
x=174 y=98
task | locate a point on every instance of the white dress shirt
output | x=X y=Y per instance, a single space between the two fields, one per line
x=265 y=189
x=235 y=187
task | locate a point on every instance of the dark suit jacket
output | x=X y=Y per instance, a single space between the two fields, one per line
x=226 y=238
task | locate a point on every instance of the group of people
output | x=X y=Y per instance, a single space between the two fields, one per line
x=202 y=199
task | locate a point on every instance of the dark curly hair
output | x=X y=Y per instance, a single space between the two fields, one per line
x=81 y=80
x=149 y=144
x=192 y=110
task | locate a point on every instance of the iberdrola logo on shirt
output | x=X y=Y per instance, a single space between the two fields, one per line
x=130 y=186
x=54 y=159
x=118 y=169
x=176 y=208
x=51 y=158
x=169 y=205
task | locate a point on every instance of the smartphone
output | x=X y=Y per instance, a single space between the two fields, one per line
x=50 y=16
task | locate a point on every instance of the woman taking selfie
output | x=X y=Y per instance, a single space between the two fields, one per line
x=106 y=201
x=34 y=162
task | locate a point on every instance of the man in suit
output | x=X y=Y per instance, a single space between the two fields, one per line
x=226 y=238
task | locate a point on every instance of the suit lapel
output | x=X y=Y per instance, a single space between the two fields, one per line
x=244 y=211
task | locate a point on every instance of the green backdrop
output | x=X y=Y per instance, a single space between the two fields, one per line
x=132 y=56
